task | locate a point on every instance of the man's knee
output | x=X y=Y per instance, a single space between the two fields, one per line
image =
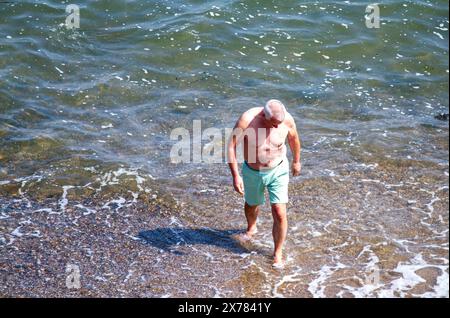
x=251 y=207
x=279 y=212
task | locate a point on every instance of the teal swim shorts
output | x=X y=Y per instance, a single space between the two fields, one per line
x=276 y=180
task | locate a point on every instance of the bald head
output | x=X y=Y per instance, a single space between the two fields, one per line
x=274 y=109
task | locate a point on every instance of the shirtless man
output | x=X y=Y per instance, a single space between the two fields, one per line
x=264 y=131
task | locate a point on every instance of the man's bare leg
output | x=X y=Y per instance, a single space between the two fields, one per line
x=279 y=231
x=251 y=213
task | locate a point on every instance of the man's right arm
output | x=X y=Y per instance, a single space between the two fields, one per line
x=238 y=131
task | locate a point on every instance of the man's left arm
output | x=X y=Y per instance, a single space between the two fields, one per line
x=294 y=144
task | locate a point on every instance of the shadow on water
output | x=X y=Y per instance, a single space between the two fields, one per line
x=168 y=238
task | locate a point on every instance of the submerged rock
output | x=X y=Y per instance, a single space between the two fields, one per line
x=442 y=116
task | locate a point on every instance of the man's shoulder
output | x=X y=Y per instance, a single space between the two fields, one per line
x=250 y=114
x=253 y=111
x=289 y=120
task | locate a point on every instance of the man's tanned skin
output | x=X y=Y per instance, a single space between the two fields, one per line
x=262 y=152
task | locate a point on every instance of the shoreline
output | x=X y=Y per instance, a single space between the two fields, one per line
x=340 y=227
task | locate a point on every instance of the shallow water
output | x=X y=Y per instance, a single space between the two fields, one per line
x=85 y=173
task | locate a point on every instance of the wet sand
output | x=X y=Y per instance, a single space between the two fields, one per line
x=381 y=231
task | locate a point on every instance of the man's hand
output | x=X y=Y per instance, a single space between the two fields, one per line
x=238 y=185
x=296 y=168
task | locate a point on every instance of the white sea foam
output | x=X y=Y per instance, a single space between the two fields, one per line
x=409 y=279
x=438 y=34
x=17 y=232
x=87 y=210
x=317 y=286
x=291 y=278
x=59 y=70
x=64 y=201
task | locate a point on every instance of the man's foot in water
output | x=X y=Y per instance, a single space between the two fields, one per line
x=278 y=262
x=248 y=235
